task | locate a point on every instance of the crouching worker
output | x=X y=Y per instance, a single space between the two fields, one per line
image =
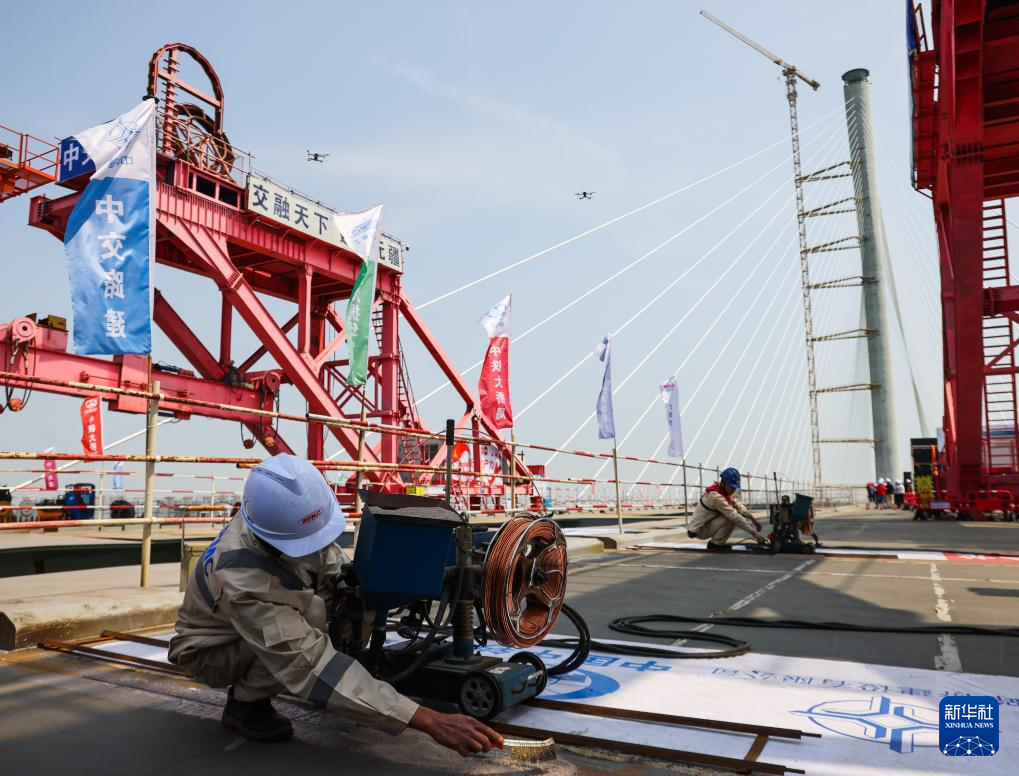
x=254 y=618
x=719 y=511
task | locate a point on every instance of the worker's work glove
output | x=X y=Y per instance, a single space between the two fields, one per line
x=458 y=732
x=759 y=537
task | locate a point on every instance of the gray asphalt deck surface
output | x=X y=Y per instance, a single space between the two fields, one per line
x=158 y=725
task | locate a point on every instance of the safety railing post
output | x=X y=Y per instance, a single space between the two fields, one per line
x=686 y=503
x=615 y=468
x=513 y=470
x=360 y=455
x=98 y=506
x=150 y=479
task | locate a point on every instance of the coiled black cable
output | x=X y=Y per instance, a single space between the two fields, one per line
x=634 y=626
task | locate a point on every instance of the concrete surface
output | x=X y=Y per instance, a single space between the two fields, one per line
x=872 y=591
x=173 y=725
x=65 y=714
x=634 y=537
x=79 y=604
x=582 y=547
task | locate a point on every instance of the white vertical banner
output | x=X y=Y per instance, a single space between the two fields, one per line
x=670 y=398
x=110 y=236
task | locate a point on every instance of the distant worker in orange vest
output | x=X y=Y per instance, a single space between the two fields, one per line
x=718 y=512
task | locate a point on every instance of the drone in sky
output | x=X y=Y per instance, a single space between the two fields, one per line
x=584 y=194
x=315 y=157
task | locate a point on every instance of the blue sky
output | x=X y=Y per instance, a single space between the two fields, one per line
x=475 y=123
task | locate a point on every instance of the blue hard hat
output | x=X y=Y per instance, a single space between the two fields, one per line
x=730 y=477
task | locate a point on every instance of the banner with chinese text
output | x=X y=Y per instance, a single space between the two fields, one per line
x=91 y=426
x=49 y=467
x=670 y=398
x=494 y=383
x=603 y=408
x=361 y=233
x=109 y=238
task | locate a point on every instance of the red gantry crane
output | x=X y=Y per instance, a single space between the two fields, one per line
x=965 y=86
x=220 y=219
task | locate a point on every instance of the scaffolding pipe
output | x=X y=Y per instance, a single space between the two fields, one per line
x=150 y=479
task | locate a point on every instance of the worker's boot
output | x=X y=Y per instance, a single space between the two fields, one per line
x=712 y=547
x=256 y=720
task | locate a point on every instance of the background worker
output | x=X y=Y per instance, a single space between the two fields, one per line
x=254 y=618
x=900 y=494
x=882 y=492
x=718 y=512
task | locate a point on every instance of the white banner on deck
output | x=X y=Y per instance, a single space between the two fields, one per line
x=882 y=719
x=873 y=719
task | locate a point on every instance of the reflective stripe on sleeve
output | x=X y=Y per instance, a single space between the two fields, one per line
x=328 y=678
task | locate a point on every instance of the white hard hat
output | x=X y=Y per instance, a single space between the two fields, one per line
x=288 y=504
x=880 y=480
x=898 y=482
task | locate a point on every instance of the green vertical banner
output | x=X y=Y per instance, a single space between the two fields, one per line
x=361 y=233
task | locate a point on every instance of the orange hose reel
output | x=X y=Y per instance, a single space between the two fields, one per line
x=524 y=581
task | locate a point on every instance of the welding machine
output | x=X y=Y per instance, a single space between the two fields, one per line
x=790 y=521
x=424 y=590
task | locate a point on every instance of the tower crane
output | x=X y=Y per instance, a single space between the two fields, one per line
x=792 y=73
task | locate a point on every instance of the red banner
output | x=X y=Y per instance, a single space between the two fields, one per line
x=493 y=385
x=91 y=426
x=50 y=477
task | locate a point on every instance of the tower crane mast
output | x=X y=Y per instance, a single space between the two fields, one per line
x=791 y=73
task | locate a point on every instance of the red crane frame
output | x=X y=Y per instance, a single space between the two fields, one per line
x=202 y=227
x=965 y=84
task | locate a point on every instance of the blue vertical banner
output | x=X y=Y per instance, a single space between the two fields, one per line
x=110 y=235
x=606 y=417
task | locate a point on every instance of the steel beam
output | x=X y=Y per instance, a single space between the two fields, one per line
x=185 y=340
x=50 y=360
x=211 y=248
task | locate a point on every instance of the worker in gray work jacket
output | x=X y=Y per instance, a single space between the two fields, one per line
x=254 y=618
x=718 y=512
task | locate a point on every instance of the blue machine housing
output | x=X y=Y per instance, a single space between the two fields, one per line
x=403 y=548
x=801 y=507
x=79 y=501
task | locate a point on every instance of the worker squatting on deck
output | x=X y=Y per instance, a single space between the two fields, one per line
x=254 y=618
x=718 y=512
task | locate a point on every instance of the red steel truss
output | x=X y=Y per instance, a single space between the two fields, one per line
x=966 y=153
x=204 y=228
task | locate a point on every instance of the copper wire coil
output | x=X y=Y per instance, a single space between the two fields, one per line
x=525 y=580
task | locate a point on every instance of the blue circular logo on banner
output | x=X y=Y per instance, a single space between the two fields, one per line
x=579 y=684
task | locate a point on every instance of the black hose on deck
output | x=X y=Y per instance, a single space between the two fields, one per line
x=634 y=626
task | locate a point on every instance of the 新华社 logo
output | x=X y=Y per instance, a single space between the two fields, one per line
x=968 y=725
